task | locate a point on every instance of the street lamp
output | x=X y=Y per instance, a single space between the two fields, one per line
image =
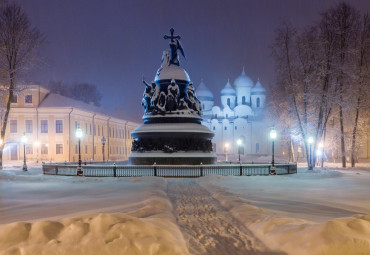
x=321 y=150
x=79 y=134
x=273 y=135
x=37 y=144
x=310 y=142
x=24 y=140
x=226 y=150
x=103 y=140
x=239 y=142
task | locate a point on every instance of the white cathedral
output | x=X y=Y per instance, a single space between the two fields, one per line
x=240 y=117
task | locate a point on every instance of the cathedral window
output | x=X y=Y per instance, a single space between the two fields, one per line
x=227 y=115
x=225 y=128
x=243 y=100
x=236 y=127
x=228 y=102
x=214 y=128
x=257 y=147
x=258 y=102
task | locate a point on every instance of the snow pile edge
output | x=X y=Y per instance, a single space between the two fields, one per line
x=149 y=230
x=297 y=236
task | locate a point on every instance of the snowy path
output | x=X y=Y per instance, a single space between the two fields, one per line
x=207 y=226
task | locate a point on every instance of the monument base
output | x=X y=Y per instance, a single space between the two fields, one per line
x=175 y=158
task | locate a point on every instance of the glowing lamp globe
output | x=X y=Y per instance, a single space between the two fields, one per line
x=227 y=145
x=273 y=134
x=321 y=145
x=239 y=142
x=24 y=139
x=79 y=132
x=37 y=143
x=310 y=140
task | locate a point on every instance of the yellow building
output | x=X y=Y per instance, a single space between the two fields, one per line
x=49 y=122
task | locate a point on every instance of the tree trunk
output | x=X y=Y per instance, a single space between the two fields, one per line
x=353 y=147
x=342 y=143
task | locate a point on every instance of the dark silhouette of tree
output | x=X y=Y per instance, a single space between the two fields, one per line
x=85 y=92
x=18 y=44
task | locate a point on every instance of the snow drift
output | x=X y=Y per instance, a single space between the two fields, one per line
x=151 y=229
x=296 y=236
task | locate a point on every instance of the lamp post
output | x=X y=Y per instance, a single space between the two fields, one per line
x=24 y=141
x=321 y=152
x=310 y=142
x=239 y=142
x=273 y=135
x=227 y=151
x=103 y=140
x=79 y=134
x=37 y=144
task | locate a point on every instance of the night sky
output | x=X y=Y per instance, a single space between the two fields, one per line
x=112 y=43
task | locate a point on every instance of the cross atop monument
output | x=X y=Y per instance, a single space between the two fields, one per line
x=172 y=37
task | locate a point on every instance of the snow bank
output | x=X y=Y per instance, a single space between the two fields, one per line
x=151 y=229
x=296 y=236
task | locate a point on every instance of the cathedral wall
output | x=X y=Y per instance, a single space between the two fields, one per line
x=243 y=92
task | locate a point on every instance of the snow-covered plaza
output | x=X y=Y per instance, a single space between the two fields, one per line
x=320 y=212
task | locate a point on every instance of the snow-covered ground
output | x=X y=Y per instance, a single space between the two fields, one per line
x=320 y=212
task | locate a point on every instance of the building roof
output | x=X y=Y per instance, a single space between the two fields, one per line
x=243 y=81
x=258 y=87
x=53 y=100
x=228 y=89
x=203 y=93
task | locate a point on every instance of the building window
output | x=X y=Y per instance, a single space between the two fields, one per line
x=59 y=149
x=102 y=130
x=14 y=99
x=243 y=100
x=236 y=127
x=216 y=115
x=86 y=149
x=258 y=102
x=225 y=128
x=214 y=128
x=86 y=128
x=59 y=126
x=29 y=149
x=227 y=115
x=44 y=126
x=44 y=149
x=203 y=106
x=98 y=130
x=94 y=149
x=13 y=126
x=28 y=126
x=28 y=99
x=257 y=147
x=228 y=102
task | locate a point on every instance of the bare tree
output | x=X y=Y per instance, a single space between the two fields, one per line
x=18 y=42
x=85 y=92
x=344 y=19
x=361 y=81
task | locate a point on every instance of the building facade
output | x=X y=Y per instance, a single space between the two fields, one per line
x=49 y=122
x=240 y=117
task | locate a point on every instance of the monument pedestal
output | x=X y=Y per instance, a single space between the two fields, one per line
x=172 y=133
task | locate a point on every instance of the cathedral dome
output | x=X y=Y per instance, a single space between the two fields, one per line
x=228 y=90
x=243 y=81
x=258 y=88
x=203 y=93
x=169 y=71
